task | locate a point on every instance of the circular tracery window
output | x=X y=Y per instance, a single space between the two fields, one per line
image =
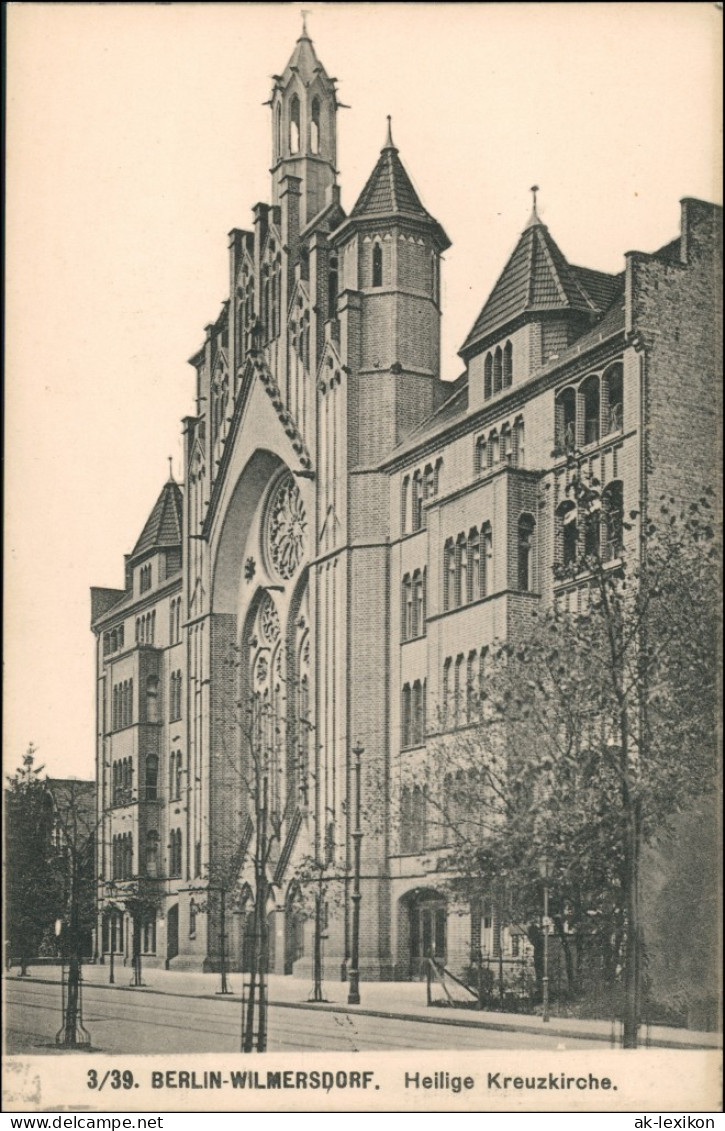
x=286 y=527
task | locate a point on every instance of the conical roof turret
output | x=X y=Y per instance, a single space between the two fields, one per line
x=537 y=280
x=163 y=527
x=389 y=193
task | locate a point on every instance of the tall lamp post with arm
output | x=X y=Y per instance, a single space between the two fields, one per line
x=545 y=873
x=353 y=997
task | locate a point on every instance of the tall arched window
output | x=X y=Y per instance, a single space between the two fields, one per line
x=613 y=517
x=179 y=774
x=417 y=501
x=457 y=689
x=418 y=819
x=493 y=448
x=488 y=377
x=590 y=398
x=152 y=777
x=592 y=532
x=407 y=608
x=474 y=565
x=377 y=272
x=519 y=449
x=497 y=370
x=294 y=124
x=406 y=716
x=446 y=693
x=417 y=714
x=405 y=819
x=525 y=562
x=471 y=697
x=152 y=853
x=613 y=393
x=568 y=535
x=419 y=603
x=462 y=575
x=508 y=369
x=172 y=776
x=315 y=126
x=152 y=699
x=404 y=491
x=566 y=438
x=278 y=132
x=332 y=285
x=506 y=444
x=486 y=559
x=434 y=276
x=481 y=454
x=449 y=574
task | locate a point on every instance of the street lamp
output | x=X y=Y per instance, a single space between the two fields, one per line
x=545 y=873
x=353 y=997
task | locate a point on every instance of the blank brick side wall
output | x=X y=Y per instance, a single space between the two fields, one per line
x=676 y=309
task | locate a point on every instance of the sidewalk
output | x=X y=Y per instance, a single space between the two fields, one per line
x=404 y=1000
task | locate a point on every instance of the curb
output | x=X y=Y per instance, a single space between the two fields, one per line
x=333 y=1007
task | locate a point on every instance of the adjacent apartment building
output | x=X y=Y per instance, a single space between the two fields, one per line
x=352 y=531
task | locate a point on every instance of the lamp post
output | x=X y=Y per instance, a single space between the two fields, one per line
x=353 y=997
x=545 y=873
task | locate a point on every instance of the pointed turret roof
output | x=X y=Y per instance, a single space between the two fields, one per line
x=389 y=189
x=163 y=526
x=389 y=193
x=303 y=62
x=537 y=279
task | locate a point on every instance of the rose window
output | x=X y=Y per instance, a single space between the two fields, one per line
x=286 y=527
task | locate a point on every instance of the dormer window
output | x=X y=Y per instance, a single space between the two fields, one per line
x=294 y=124
x=315 y=126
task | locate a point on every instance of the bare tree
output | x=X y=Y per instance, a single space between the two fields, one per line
x=589 y=730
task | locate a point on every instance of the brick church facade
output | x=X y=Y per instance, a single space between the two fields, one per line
x=353 y=531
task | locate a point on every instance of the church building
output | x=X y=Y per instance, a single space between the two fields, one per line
x=351 y=534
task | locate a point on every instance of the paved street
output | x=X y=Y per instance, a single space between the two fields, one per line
x=120 y=1021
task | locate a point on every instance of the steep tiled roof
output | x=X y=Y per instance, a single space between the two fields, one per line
x=536 y=279
x=389 y=189
x=163 y=526
x=600 y=287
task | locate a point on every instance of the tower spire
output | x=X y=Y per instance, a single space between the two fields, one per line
x=389 y=143
x=534 y=217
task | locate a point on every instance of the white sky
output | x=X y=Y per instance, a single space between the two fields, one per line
x=137 y=138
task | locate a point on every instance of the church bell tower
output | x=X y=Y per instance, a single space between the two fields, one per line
x=304 y=142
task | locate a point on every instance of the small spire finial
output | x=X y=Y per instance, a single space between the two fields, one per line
x=389 y=143
x=171 y=470
x=305 y=13
x=534 y=217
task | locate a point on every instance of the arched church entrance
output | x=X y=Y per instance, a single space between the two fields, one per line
x=423 y=930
